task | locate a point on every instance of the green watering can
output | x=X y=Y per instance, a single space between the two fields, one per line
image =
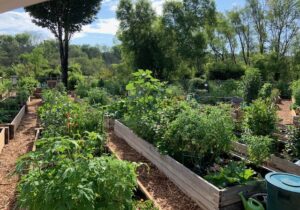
x=251 y=204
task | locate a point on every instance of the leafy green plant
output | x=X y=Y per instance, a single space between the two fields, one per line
x=232 y=174
x=28 y=84
x=224 y=71
x=259 y=148
x=144 y=96
x=61 y=116
x=98 y=96
x=5 y=85
x=251 y=84
x=260 y=118
x=82 y=89
x=292 y=147
x=205 y=135
x=145 y=205
x=99 y=183
x=266 y=90
x=67 y=173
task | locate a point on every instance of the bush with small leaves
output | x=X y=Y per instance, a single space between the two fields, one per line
x=259 y=148
x=260 y=118
x=251 y=84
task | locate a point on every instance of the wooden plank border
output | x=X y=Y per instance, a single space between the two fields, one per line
x=13 y=126
x=201 y=191
x=18 y=118
x=274 y=162
x=2 y=139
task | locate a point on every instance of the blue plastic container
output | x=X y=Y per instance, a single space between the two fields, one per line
x=283 y=191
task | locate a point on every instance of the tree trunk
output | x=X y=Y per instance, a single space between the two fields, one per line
x=64 y=59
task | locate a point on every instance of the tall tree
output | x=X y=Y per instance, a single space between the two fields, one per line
x=63 y=18
x=283 y=17
x=241 y=23
x=258 y=15
x=140 y=40
x=186 y=20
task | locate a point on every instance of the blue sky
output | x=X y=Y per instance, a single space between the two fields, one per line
x=101 y=32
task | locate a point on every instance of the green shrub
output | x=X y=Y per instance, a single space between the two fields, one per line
x=27 y=84
x=59 y=115
x=197 y=84
x=260 y=118
x=75 y=76
x=144 y=95
x=259 y=148
x=65 y=175
x=82 y=89
x=251 y=84
x=226 y=88
x=295 y=87
x=98 y=96
x=265 y=91
x=205 y=135
x=292 y=147
x=284 y=88
x=224 y=71
x=5 y=85
x=60 y=87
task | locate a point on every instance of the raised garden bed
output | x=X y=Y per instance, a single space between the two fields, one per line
x=206 y=195
x=14 y=124
x=274 y=162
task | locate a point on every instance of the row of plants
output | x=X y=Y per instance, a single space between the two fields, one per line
x=5 y=85
x=248 y=88
x=10 y=107
x=260 y=119
x=199 y=136
x=71 y=167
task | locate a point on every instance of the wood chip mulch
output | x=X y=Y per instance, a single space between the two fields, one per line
x=165 y=193
x=21 y=144
x=284 y=112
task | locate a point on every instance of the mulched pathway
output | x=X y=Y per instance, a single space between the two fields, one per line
x=284 y=113
x=21 y=144
x=165 y=193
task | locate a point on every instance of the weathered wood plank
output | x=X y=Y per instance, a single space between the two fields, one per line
x=274 y=162
x=2 y=139
x=201 y=191
x=17 y=120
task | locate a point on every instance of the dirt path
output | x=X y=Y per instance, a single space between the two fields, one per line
x=21 y=144
x=284 y=113
x=166 y=194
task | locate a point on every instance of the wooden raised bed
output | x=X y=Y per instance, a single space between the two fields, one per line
x=206 y=195
x=13 y=126
x=274 y=162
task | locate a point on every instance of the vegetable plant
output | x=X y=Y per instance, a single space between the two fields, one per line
x=259 y=148
x=67 y=173
x=231 y=174
x=204 y=135
x=260 y=118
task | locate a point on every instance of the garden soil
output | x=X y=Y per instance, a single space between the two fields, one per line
x=21 y=144
x=164 y=192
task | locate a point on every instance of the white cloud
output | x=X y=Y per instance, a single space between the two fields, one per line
x=19 y=22
x=158 y=6
x=101 y=26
